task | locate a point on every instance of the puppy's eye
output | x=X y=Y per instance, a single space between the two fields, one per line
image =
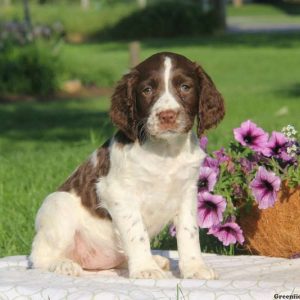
x=185 y=88
x=147 y=90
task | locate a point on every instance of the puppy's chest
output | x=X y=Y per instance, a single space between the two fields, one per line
x=160 y=183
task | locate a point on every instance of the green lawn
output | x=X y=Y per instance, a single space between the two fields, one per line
x=74 y=19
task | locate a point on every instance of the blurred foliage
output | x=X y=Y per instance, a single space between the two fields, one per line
x=28 y=69
x=163 y=19
x=15 y=32
x=28 y=65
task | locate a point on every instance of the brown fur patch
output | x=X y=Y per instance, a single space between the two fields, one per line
x=83 y=181
x=121 y=139
x=211 y=103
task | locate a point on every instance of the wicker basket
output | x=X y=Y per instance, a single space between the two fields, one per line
x=274 y=231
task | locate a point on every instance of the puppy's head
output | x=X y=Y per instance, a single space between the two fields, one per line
x=163 y=95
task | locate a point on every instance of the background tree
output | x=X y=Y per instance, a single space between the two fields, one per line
x=27 y=17
x=219 y=7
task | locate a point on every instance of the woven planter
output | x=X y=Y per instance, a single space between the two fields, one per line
x=274 y=231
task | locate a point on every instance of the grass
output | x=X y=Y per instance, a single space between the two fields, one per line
x=85 y=23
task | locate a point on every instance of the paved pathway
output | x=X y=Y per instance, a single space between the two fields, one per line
x=261 y=24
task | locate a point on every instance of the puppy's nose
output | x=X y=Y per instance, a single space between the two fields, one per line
x=167 y=116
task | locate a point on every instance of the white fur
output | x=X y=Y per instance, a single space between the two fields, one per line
x=57 y=221
x=94 y=159
x=147 y=187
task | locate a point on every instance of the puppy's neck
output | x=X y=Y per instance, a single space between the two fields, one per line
x=170 y=146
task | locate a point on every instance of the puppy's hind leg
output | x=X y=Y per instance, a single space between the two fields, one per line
x=56 y=224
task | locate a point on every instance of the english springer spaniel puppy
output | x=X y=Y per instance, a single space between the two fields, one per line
x=143 y=178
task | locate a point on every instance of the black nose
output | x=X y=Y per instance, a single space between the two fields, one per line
x=167 y=116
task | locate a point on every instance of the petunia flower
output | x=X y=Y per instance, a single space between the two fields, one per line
x=228 y=233
x=221 y=156
x=252 y=136
x=277 y=146
x=246 y=165
x=264 y=188
x=211 y=163
x=172 y=230
x=210 y=209
x=207 y=179
x=203 y=143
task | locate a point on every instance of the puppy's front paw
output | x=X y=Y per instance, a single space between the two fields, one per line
x=162 y=262
x=66 y=267
x=199 y=272
x=148 y=274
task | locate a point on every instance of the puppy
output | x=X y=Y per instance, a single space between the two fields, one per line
x=140 y=180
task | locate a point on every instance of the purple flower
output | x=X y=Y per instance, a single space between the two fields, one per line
x=246 y=165
x=221 y=156
x=228 y=233
x=252 y=136
x=210 y=209
x=203 y=143
x=207 y=179
x=172 y=230
x=277 y=146
x=264 y=187
x=211 y=163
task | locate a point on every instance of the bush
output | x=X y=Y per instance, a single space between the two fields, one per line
x=28 y=69
x=164 y=19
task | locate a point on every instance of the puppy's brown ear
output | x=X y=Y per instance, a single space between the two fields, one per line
x=211 y=103
x=123 y=105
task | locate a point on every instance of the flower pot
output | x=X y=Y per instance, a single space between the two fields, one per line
x=274 y=231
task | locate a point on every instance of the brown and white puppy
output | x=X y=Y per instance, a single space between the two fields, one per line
x=140 y=180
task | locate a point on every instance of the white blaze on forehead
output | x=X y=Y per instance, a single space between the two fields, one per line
x=168 y=66
x=166 y=99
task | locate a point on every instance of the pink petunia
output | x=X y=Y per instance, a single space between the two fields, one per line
x=210 y=209
x=203 y=143
x=221 y=155
x=246 y=165
x=172 y=230
x=211 y=163
x=228 y=233
x=264 y=187
x=207 y=179
x=277 y=146
x=251 y=136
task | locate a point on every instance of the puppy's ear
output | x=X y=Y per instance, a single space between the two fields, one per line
x=211 y=103
x=123 y=105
